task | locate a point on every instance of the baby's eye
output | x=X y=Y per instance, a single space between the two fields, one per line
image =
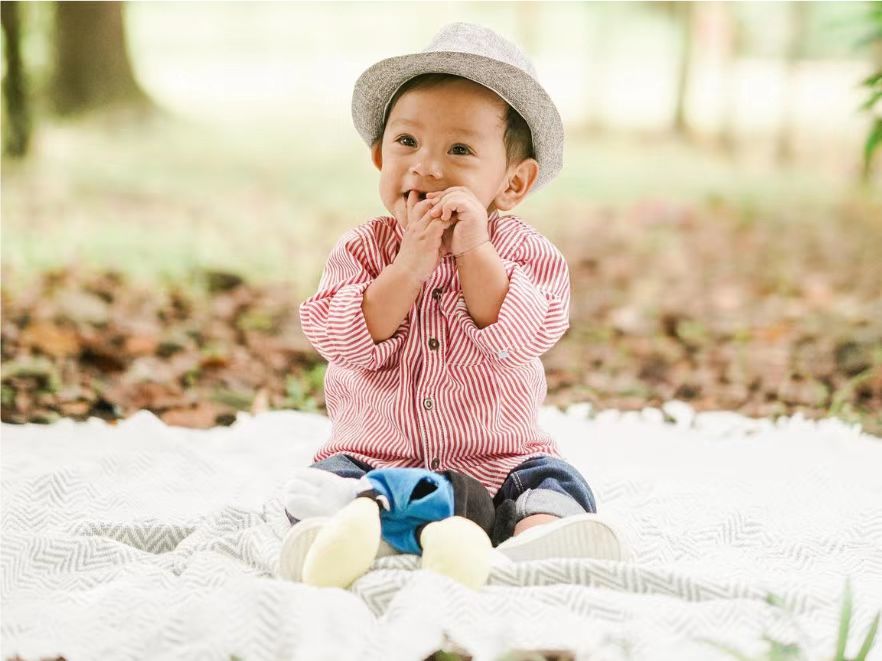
x=405 y=137
x=465 y=149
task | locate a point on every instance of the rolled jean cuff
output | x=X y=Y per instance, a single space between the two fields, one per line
x=546 y=501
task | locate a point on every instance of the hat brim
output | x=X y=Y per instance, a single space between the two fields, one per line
x=376 y=86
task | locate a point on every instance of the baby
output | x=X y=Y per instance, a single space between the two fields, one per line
x=433 y=318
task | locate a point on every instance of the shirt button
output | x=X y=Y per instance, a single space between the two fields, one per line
x=433 y=344
x=428 y=403
x=435 y=463
x=436 y=294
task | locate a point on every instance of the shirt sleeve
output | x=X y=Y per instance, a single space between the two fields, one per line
x=332 y=318
x=535 y=312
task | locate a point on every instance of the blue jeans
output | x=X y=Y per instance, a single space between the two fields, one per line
x=541 y=485
x=546 y=485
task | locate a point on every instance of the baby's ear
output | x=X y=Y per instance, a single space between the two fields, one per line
x=519 y=181
x=377 y=154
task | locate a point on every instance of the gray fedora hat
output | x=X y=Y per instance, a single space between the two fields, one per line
x=481 y=55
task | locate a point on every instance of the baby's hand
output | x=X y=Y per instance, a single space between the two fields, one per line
x=421 y=246
x=458 y=205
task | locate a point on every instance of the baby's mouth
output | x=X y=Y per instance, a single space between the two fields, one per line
x=420 y=195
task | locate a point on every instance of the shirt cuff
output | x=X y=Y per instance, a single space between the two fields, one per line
x=353 y=345
x=512 y=338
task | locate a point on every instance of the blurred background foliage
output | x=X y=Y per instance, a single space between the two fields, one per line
x=175 y=174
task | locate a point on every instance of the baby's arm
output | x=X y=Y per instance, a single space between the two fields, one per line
x=333 y=319
x=388 y=300
x=534 y=313
x=391 y=295
x=484 y=283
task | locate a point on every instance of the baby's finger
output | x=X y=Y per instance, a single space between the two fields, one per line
x=446 y=191
x=410 y=201
x=416 y=205
x=423 y=211
x=420 y=207
x=439 y=205
x=438 y=227
x=417 y=213
x=450 y=208
x=433 y=227
x=426 y=219
x=443 y=203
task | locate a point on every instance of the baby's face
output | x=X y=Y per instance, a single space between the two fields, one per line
x=438 y=137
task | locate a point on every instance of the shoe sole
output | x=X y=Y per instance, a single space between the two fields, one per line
x=296 y=545
x=581 y=536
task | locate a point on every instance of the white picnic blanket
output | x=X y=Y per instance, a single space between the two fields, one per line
x=142 y=541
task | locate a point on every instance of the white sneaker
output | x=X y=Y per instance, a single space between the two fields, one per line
x=296 y=545
x=580 y=536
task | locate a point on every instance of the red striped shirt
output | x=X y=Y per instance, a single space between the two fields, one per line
x=440 y=393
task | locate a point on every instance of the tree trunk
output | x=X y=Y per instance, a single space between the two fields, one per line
x=92 y=67
x=730 y=52
x=684 y=15
x=17 y=133
x=798 y=20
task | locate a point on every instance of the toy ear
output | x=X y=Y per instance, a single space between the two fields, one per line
x=457 y=548
x=472 y=500
x=346 y=547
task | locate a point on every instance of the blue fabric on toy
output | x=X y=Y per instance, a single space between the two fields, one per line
x=416 y=497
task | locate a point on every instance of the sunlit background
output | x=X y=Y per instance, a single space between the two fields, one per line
x=715 y=181
x=258 y=168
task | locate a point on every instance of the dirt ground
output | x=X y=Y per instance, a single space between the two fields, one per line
x=701 y=304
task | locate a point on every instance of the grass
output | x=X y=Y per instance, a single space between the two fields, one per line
x=775 y=650
x=788 y=651
x=158 y=198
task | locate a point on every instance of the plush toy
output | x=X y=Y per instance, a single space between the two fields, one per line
x=340 y=524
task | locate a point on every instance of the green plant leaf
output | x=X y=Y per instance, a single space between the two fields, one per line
x=869 y=103
x=869 y=640
x=316 y=376
x=441 y=655
x=872 y=143
x=844 y=622
x=731 y=651
x=779 y=651
x=868 y=39
x=7 y=395
x=872 y=80
x=236 y=399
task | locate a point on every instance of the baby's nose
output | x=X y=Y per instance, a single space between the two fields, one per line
x=427 y=167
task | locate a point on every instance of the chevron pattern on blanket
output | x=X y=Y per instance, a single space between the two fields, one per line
x=141 y=541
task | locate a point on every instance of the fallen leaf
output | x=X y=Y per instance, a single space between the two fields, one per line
x=51 y=339
x=202 y=416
